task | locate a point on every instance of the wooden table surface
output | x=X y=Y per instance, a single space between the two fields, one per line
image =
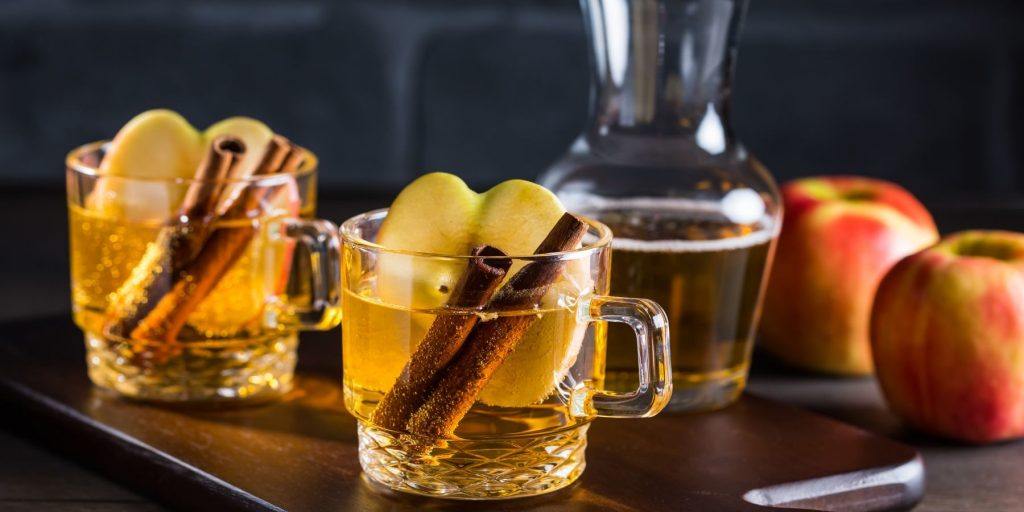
x=35 y=277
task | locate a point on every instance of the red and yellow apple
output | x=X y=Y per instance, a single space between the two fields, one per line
x=947 y=333
x=840 y=235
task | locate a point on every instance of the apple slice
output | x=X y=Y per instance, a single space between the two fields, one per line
x=438 y=213
x=515 y=216
x=154 y=144
x=509 y=219
x=157 y=145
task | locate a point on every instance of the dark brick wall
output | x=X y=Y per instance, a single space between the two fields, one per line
x=928 y=93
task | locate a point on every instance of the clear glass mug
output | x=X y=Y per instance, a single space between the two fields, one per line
x=263 y=271
x=472 y=433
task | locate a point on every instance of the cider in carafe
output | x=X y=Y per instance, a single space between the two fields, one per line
x=708 y=273
x=694 y=213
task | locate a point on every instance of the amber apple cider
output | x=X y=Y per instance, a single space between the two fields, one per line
x=708 y=275
x=520 y=426
x=224 y=349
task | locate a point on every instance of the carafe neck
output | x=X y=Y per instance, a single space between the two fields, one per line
x=662 y=67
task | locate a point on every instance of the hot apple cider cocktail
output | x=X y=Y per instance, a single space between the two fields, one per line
x=181 y=257
x=474 y=339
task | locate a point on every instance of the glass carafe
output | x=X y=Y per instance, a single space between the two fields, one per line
x=694 y=214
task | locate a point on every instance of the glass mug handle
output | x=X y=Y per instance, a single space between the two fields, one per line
x=321 y=240
x=650 y=325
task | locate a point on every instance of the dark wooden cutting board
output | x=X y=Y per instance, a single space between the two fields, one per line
x=300 y=453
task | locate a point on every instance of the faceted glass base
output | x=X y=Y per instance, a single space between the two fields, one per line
x=215 y=372
x=509 y=467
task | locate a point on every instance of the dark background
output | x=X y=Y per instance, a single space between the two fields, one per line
x=930 y=94
x=926 y=93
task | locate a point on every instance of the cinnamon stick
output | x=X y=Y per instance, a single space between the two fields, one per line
x=490 y=343
x=219 y=252
x=198 y=210
x=177 y=243
x=278 y=148
x=293 y=160
x=444 y=338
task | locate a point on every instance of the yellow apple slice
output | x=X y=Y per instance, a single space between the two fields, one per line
x=508 y=220
x=438 y=213
x=155 y=145
x=435 y=213
x=515 y=216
